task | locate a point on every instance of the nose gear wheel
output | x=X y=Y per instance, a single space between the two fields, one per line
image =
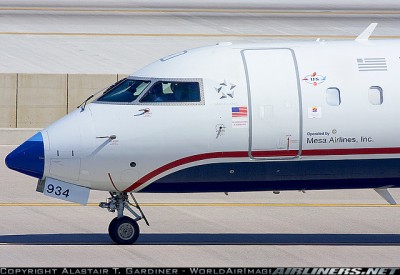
x=123 y=229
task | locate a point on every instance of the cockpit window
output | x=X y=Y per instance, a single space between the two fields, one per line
x=126 y=90
x=173 y=91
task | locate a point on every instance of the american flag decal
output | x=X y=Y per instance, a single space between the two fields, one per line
x=371 y=64
x=239 y=111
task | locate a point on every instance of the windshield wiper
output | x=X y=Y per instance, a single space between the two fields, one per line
x=83 y=104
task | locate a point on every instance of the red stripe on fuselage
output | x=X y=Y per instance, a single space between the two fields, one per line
x=245 y=154
x=186 y=160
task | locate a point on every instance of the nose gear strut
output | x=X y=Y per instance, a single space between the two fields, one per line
x=123 y=229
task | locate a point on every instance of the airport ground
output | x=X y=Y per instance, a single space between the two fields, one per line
x=318 y=228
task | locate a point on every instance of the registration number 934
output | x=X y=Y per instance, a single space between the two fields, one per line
x=66 y=191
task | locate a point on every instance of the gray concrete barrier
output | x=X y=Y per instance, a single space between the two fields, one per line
x=15 y=136
x=41 y=99
x=31 y=102
x=81 y=86
x=8 y=102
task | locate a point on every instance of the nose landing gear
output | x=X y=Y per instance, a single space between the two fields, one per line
x=123 y=229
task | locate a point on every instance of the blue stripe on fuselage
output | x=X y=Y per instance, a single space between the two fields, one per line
x=281 y=175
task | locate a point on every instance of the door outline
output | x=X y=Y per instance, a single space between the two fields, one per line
x=250 y=106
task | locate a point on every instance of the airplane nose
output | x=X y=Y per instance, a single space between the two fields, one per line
x=28 y=158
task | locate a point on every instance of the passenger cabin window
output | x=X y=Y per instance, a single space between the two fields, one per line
x=173 y=91
x=333 y=96
x=127 y=90
x=375 y=95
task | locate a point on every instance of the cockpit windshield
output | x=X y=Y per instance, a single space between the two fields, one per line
x=126 y=91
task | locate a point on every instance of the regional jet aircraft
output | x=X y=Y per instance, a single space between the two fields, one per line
x=229 y=118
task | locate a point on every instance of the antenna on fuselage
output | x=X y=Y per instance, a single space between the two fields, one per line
x=384 y=193
x=364 y=36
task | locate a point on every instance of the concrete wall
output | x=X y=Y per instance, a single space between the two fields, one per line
x=36 y=100
x=81 y=86
x=30 y=102
x=8 y=102
x=15 y=136
x=41 y=99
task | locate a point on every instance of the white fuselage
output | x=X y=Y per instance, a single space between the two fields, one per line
x=271 y=115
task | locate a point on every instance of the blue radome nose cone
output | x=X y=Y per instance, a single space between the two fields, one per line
x=28 y=158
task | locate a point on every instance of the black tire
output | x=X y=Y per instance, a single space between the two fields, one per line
x=124 y=230
x=111 y=230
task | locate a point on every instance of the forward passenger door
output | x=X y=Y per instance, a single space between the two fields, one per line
x=274 y=103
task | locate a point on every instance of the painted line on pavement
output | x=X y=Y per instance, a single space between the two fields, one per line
x=272 y=36
x=208 y=205
x=200 y=10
